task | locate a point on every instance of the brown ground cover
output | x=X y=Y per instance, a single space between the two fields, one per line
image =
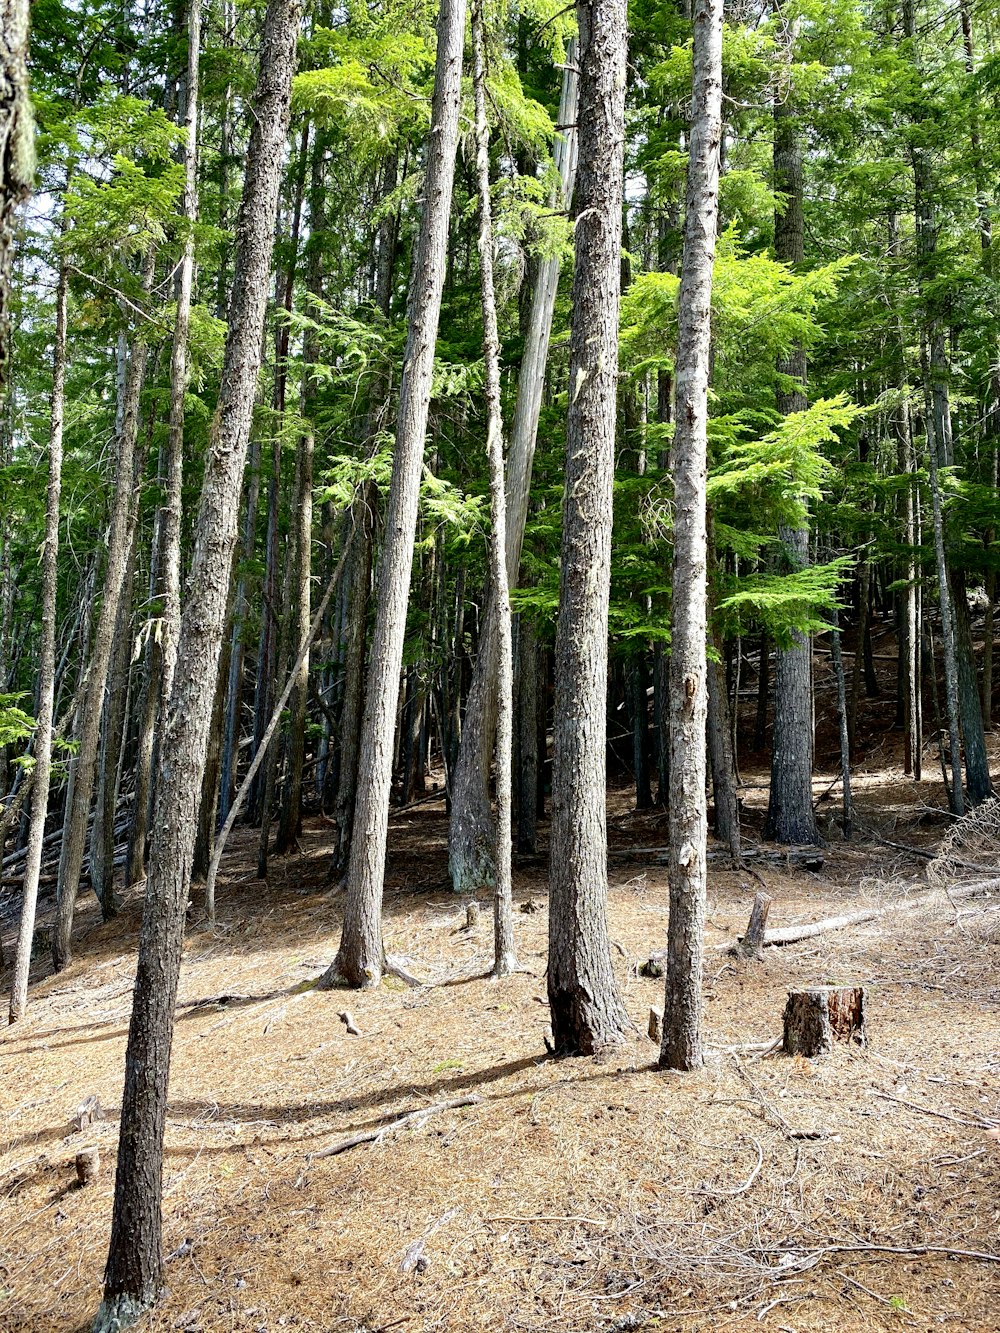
x=574 y=1195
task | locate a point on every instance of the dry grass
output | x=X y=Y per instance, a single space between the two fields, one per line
x=576 y=1195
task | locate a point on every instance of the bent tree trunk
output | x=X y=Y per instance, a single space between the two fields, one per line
x=586 y=1009
x=134 y=1262
x=681 y=1047
x=360 y=957
x=470 y=834
x=47 y=669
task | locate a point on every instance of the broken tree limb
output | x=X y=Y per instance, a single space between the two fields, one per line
x=414 y=1118
x=808 y=930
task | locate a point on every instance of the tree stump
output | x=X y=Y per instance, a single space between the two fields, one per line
x=817 y=1017
x=752 y=943
x=655 y=966
x=88 y=1165
x=471 y=916
x=88 y=1111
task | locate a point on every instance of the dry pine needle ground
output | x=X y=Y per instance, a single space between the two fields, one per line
x=574 y=1195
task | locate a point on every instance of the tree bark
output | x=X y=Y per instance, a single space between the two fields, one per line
x=47 y=667
x=505 y=956
x=470 y=835
x=17 y=148
x=134 y=1262
x=360 y=958
x=682 y=1013
x=587 y=1012
x=123 y=512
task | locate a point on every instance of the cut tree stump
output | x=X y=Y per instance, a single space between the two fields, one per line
x=817 y=1017
x=655 y=1028
x=87 y=1112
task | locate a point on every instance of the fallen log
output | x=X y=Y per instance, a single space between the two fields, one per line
x=809 y=930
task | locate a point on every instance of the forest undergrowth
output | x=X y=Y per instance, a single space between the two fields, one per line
x=764 y=1192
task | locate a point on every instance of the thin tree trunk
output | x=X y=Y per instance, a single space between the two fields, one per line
x=360 y=957
x=134 y=1264
x=681 y=1047
x=587 y=1012
x=171 y=517
x=505 y=956
x=120 y=536
x=470 y=835
x=46 y=682
x=527 y=727
x=847 y=822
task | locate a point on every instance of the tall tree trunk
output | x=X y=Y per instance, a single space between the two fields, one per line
x=47 y=668
x=291 y=804
x=587 y=1012
x=120 y=536
x=790 y=811
x=527 y=738
x=17 y=148
x=681 y=1047
x=134 y=1262
x=470 y=836
x=505 y=957
x=178 y=368
x=360 y=957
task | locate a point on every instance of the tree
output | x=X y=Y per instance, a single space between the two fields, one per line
x=360 y=957
x=17 y=143
x=681 y=1047
x=790 y=815
x=505 y=958
x=587 y=1012
x=134 y=1262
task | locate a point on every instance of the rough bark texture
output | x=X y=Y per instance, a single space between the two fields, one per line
x=470 y=833
x=134 y=1258
x=527 y=738
x=789 y=812
x=505 y=958
x=816 y=1018
x=360 y=957
x=123 y=511
x=47 y=667
x=17 y=145
x=681 y=1047
x=586 y=1009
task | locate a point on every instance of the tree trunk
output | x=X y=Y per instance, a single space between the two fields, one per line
x=527 y=738
x=682 y=1012
x=171 y=517
x=120 y=536
x=291 y=805
x=360 y=957
x=847 y=823
x=587 y=1012
x=354 y=674
x=470 y=834
x=505 y=957
x=978 y=785
x=17 y=148
x=134 y=1262
x=47 y=667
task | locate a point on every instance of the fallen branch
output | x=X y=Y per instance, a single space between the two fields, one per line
x=808 y=930
x=414 y=1118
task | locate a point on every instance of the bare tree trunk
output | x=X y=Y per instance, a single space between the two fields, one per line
x=847 y=822
x=470 y=834
x=360 y=957
x=587 y=1012
x=681 y=1047
x=354 y=675
x=134 y=1262
x=120 y=536
x=505 y=956
x=178 y=367
x=17 y=147
x=291 y=806
x=46 y=682
x=789 y=812
x=526 y=767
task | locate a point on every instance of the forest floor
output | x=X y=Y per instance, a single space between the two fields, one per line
x=767 y=1193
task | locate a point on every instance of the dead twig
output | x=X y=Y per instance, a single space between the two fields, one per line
x=412 y=1118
